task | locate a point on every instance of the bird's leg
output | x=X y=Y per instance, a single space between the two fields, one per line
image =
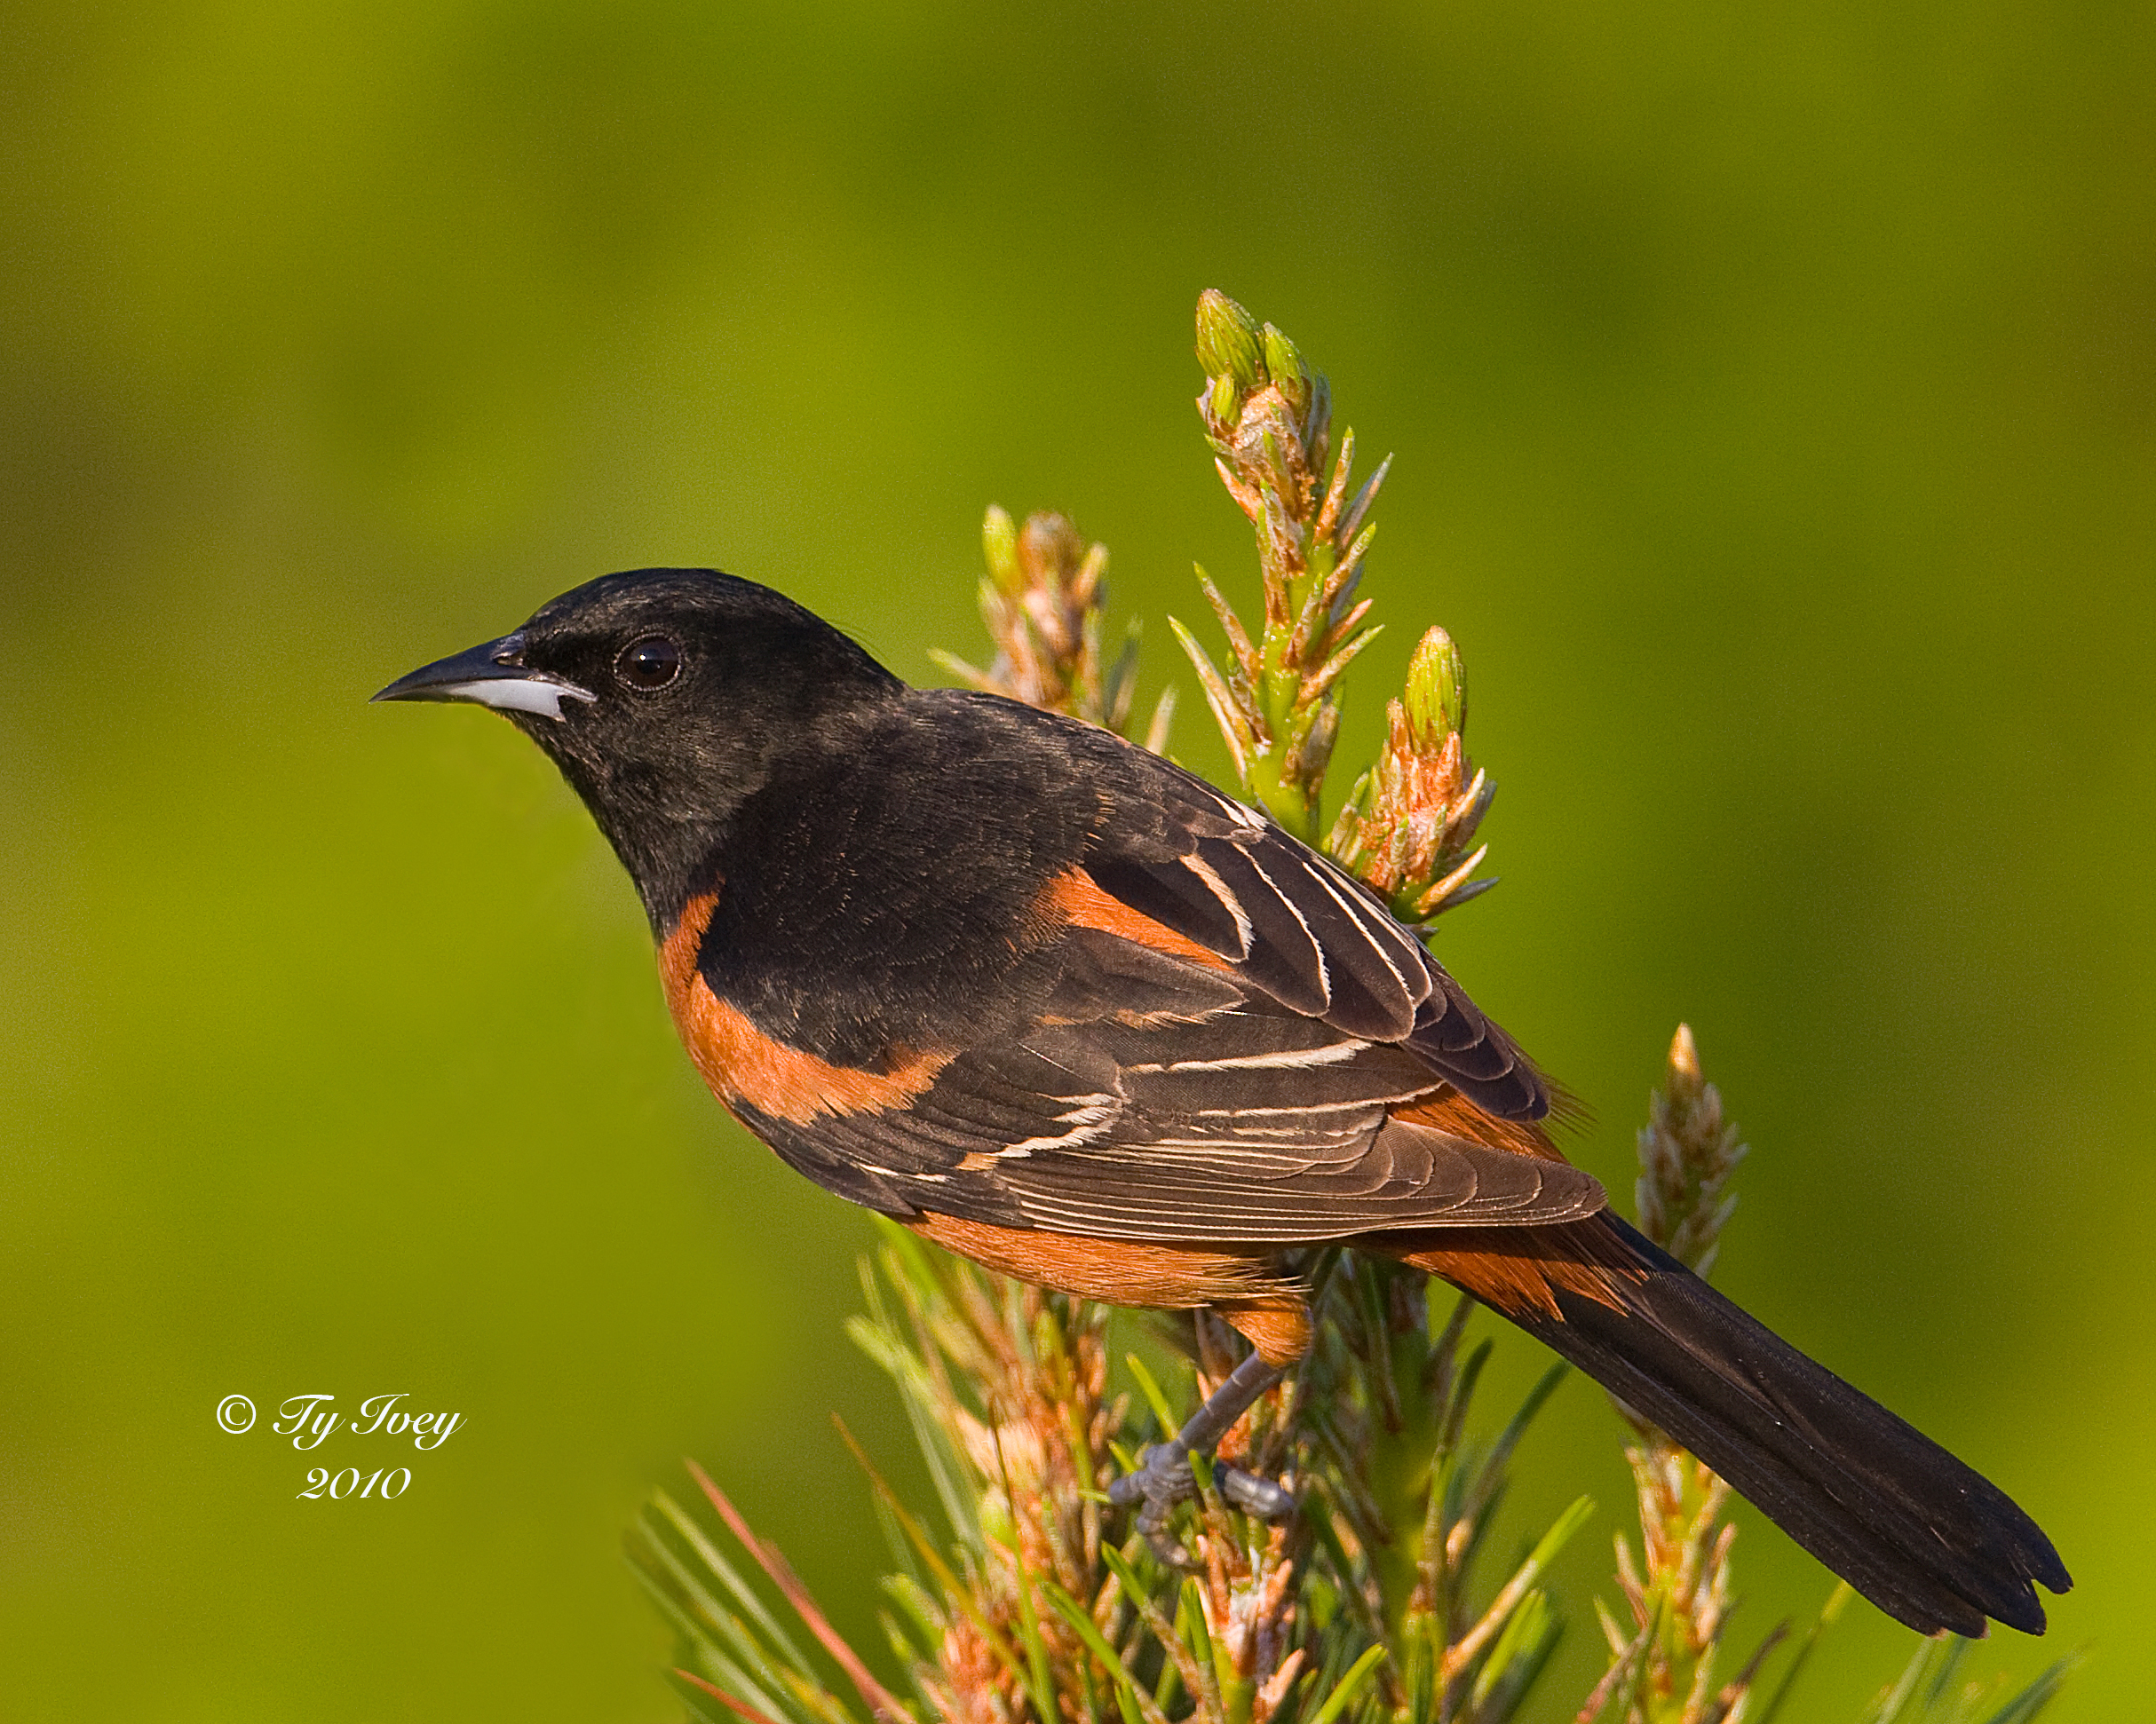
x=1164 y=1476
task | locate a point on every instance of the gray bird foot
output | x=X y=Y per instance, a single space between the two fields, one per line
x=1164 y=1479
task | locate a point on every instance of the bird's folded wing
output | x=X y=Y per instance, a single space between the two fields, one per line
x=1153 y=1097
x=1306 y=933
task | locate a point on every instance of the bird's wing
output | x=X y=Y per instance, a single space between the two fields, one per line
x=1306 y=933
x=1153 y=1097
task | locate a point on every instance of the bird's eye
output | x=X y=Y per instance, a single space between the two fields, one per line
x=652 y=662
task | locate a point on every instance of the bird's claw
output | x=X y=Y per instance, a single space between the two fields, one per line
x=1164 y=1479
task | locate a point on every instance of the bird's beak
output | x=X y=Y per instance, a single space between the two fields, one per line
x=492 y=674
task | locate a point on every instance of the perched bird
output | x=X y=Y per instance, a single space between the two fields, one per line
x=1061 y=1007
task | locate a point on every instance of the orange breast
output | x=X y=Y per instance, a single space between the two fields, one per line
x=742 y=1064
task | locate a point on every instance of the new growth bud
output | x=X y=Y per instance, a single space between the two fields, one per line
x=1228 y=343
x=1284 y=366
x=1408 y=829
x=1687 y=1152
x=1268 y=416
x=999 y=542
x=1437 y=689
x=1042 y=603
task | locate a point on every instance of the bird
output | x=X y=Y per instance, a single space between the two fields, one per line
x=1063 y=1007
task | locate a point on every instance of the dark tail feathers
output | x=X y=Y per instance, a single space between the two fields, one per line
x=1924 y=1537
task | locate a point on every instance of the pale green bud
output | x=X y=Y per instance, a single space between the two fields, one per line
x=1285 y=366
x=999 y=542
x=1437 y=688
x=1228 y=341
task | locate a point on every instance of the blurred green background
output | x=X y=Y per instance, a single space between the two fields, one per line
x=1774 y=392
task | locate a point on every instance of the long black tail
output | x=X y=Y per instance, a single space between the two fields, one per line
x=1929 y=1541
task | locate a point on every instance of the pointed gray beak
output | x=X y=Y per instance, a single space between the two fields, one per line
x=492 y=675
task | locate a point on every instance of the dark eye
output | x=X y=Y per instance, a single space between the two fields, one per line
x=652 y=662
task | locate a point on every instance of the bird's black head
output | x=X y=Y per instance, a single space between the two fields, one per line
x=668 y=697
